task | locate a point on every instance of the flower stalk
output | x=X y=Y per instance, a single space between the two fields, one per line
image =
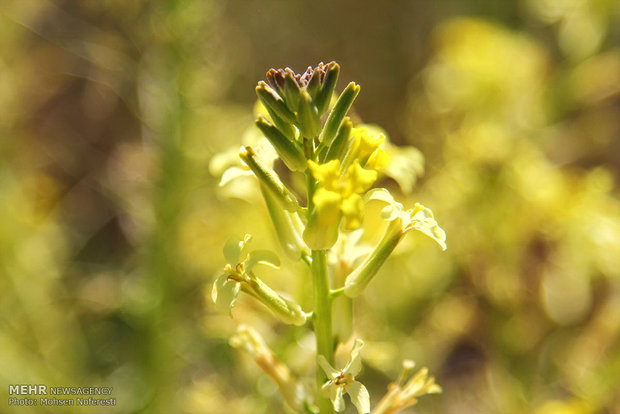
x=322 y=320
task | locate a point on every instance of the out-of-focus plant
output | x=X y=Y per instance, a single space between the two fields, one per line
x=536 y=235
x=316 y=204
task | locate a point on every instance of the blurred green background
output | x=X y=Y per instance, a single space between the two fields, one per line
x=111 y=224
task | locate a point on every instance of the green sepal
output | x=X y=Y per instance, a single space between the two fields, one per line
x=314 y=84
x=273 y=101
x=291 y=91
x=337 y=149
x=284 y=223
x=285 y=127
x=338 y=112
x=289 y=151
x=321 y=153
x=275 y=79
x=324 y=95
x=309 y=119
x=270 y=179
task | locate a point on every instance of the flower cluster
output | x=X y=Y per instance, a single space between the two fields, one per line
x=303 y=124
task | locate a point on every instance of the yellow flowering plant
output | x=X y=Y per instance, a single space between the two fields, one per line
x=320 y=224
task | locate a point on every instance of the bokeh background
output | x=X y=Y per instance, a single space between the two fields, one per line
x=111 y=222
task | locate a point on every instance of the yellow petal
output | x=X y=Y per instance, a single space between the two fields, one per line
x=378 y=160
x=368 y=142
x=322 y=229
x=360 y=179
x=353 y=212
x=327 y=174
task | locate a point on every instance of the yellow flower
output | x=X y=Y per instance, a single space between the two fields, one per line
x=343 y=381
x=365 y=148
x=238 y=275
x=401 y=221
x=337 y=199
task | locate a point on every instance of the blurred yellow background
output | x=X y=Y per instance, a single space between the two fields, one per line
x=111 y=223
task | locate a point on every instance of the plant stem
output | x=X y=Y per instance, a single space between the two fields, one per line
x=322 y=322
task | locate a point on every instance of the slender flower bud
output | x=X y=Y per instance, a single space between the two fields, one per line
x=275 y=79
x=324 y=95
x=269 y=178
x=291 y=90
x=289 y=151
x=362 y=275
x=339 y=144
x=314 y=83
x=285 y=224
x=309 y=120
x=338 y=113
x=272 y=100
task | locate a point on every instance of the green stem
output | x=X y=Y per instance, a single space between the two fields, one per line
x=322 y=322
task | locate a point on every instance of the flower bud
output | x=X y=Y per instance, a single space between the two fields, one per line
x=289 y=151
x=314 y=82
x=338 y=113
x=309 y=120
x=272 y=100
x=324 y=95
x=291 y=91
x=285 y=224
x=337 y=149
x=362 y=275
x=269 y=179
